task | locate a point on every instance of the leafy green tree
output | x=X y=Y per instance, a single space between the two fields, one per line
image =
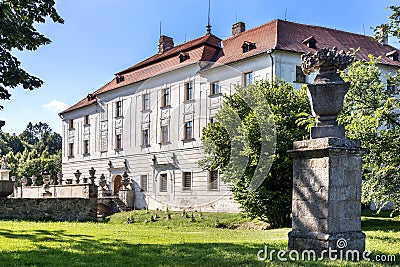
x=271 y=201
x=18 y=19
x=390 y=28
x=371 y=114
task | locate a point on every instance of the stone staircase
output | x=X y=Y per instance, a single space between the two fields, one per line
x=121 y=205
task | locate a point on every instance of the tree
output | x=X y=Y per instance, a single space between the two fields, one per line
x=371 y=114
x=391 y=28
x=271 y=201
x=17 y=31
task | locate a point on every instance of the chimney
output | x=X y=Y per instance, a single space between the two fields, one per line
x=165 y=43
x=238 y=28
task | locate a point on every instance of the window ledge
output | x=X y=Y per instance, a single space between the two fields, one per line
x=118 y=117
x=145 y=110
x=86 y=125
x=187 y=190
x=166 y=107
x=71 y=156
x=215 y=95
x=86 y=154
x=118 y=149
x=164 y=143
x=188 y=140
x=188 y=101
x=144 y=146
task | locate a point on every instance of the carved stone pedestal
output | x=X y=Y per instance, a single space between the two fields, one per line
x=326 y=205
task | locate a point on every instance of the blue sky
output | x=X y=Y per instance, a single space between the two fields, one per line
x=102 y=37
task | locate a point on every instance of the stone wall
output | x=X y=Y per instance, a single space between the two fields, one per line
x=57 y=191
x=66 y=209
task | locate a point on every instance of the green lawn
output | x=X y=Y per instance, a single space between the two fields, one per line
x=202 y=240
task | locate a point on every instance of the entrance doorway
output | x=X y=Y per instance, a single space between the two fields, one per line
x=117 y=184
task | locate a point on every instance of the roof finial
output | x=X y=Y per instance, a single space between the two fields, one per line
x=209 y=14
x=160 y=29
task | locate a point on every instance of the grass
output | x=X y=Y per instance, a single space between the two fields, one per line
x=204 y=239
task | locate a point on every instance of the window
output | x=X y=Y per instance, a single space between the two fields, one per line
x=247 y=46
x=189 y=91
x=118 y=141
x=215 y=88
x=300 y=77
x=86 y=120
x=248 y=78
x=183 y=57
x=186 y=181
x=188 y=134
x=86 y=147
x=71 y=124
x=70 y=149
x=164 y=134
x=146 y=102
x=145 y=137
x=213 y=119
x=118 y=109
x=163 y=182
x=390 y=87
x=166 y=97
x=143 y=182
x=213 y=180
x=120 y=79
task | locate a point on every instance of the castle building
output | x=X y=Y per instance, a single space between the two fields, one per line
x=148 y=119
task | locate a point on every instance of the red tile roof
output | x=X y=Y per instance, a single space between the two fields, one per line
x=274 y=35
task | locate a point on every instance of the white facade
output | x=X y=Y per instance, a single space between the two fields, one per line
x=157 y=138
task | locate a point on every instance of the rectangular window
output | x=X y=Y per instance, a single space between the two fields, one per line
x=71 y=124
x=300 y=77
x=71 y=149
x=213 y=180
x=390 y=87
x=189 y=91
x=145 y=137
x=118 y=141
x=163 y=182
x=146 y=102
x=188 y=134
x=215 y=88
x=166 y=97
x=186 y=181
x=164 y=134
x=143 y=182
x=248 y=79
x=213 y=119
x=85 y=147
x=86 y=120
x=118 y=109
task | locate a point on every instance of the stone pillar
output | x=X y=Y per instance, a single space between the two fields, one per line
x=327 y=170
x=326 y=204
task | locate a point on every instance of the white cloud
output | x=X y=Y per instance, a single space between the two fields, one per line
x=56 y=105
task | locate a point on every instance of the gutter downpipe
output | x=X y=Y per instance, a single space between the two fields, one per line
x=269 y=52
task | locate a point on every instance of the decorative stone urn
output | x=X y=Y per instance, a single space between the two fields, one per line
x=125 y=180
x=328 y=89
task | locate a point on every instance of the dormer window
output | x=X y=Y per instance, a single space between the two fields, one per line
x=91 y=97
x=247 y=46
x=310 y=42
x=394 y=55
x=120 y=79
x=183 y=57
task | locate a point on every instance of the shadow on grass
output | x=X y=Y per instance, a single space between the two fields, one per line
x=56 y=248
